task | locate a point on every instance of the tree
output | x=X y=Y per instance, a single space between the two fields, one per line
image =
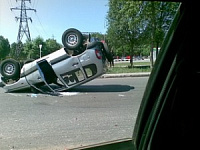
x=159 y=16
x=36 y=49
x=136 y=24
x=13 y=48
x=4 y=47
x=31 y=49
x=28 y=50
x=51 y=46
x=123 y=25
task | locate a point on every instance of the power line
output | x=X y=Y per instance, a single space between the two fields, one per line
x=23 y=24
x=42 y=25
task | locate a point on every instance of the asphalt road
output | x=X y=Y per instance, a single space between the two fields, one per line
x=101 y=110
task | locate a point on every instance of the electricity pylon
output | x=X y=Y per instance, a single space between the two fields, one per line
x=23 y=24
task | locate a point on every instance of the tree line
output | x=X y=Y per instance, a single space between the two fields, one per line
x=136 y=27
x=30 y=49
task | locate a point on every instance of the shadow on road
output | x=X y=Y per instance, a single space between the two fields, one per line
x=102 y=88
x=87 y=88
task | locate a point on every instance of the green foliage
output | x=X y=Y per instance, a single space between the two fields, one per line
x=28 y=50
x=98 y=35
x=31 y=49
x=136 y=26
x=4 y=47
x=51 y=46
x=13 y=48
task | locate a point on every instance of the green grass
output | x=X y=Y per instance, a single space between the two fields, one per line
x=126 y=64
x=124 y=67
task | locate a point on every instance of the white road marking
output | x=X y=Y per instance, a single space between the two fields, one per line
x=68 y=93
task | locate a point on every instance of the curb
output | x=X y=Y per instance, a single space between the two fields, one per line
x=120 y=75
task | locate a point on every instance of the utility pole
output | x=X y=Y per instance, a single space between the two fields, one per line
x=23 y=24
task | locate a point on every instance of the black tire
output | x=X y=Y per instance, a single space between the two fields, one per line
x=72 y=39
x=10 y=69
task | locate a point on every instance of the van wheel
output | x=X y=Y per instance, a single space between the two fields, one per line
x=72 y=39
x=10 y=69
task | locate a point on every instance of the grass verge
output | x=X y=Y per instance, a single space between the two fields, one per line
x=125 y=68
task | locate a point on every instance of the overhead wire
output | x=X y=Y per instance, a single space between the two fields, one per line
x=11 y=6
x=34 y=4
x=42 y=25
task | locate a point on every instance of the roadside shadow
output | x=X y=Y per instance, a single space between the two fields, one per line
x=86 y=88
x=102 y=88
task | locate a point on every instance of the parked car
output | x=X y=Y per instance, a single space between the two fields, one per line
x=87 y=62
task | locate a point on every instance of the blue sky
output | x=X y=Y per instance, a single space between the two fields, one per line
x=53 y=17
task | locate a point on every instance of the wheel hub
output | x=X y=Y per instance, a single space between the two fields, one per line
x=9 y=69
x=72 y=40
